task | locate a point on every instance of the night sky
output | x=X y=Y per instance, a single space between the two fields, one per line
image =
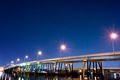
x=84 y=26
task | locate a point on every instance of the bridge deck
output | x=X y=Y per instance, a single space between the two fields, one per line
x=94 y=57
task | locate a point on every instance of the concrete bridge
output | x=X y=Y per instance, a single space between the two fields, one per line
x=65 y=65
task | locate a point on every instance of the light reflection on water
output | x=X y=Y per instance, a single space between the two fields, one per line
x=4 y=76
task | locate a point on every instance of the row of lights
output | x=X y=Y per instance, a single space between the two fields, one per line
x=113 y=36
x=63 y=47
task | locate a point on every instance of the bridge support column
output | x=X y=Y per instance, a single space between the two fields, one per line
x=66 y=67
x=41 y=67
x=72 y=68
x=95 y=70
x=36 y=68
x=61 y=68
x=84 y=68
x=100 y=65
x=69 y=66
x=27 y=67
x=88 y=69
x=53 y=66
x=50 y=69
x=32 y=68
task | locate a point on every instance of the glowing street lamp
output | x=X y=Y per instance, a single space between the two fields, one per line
x=62 y=47
x=17 y=60
x=25 y=58
x=113 y=36
x=39 y=53
x=12 y=62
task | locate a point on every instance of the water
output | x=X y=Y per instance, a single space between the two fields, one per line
x=4 y=76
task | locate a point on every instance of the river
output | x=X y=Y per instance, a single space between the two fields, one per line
x=4 y=76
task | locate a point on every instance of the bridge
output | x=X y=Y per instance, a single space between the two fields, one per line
x=58 y=65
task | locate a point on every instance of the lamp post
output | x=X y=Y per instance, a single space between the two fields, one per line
x=12 y=63
x=39 y=53
x=25 y=58
x=113 y=37
x=17 y=60
x=62 y=47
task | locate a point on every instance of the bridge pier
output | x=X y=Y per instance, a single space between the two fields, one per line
x=84 y=61
x=96 y=73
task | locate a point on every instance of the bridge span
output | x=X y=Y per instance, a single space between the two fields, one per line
x=58 y=65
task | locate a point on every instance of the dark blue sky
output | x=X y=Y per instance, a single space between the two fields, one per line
x=31 y=25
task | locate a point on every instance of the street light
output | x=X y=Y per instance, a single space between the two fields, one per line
x=39 y=53
x=25 y=58
x=12 y=63
x=62 y=47
x=17 y=60
x=113 y=36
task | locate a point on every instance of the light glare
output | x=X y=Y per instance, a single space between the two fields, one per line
x=39 y=53
x=18 y=59
x=113 y=35
x=26 y=56
x=63 y=47
x=12 y=62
